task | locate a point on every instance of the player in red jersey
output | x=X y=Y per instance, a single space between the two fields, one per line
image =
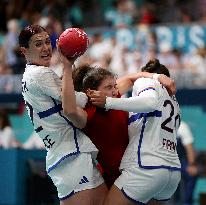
x=108 y=129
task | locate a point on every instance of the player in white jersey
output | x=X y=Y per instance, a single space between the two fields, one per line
x=52 y=108
x=150 y=168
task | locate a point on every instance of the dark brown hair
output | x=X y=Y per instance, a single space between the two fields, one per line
x=154 y=66
x=26 y=34
x=88 y=77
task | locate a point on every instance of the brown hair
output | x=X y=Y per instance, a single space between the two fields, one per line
x=88 y=77
x=26 y=34
x=154 y=66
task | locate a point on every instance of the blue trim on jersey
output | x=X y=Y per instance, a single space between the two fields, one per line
x=57 y=108
x=75 y=137
x=149 y=88
x=137 y=116
x=63 y=158
x=67 y=196
x=131 y=199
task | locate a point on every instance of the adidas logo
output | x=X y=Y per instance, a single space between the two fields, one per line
x=83 y=180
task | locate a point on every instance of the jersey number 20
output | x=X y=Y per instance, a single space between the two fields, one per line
x=164 y=125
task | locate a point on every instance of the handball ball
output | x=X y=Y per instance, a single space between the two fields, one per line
x=73 y=42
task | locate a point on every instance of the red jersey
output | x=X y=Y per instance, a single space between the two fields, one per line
x=108 y=130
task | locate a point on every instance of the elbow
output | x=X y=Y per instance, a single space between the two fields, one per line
x=70 y=113
x=74 y=115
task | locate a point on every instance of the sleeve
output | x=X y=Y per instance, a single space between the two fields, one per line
x=185 y=134
x=81 y=99
x=145 y=98
x=50 y=84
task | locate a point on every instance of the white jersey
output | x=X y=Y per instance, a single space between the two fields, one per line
x=185 y=134
x=41 y=89
x=152 y=135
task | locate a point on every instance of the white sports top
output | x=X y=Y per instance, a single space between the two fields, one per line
x=41 y=89
x=185 y=134
x=152 y=125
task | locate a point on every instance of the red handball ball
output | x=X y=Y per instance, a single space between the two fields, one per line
x=73 y=42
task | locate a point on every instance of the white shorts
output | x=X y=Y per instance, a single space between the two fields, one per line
x=75 y=174
x=142 y=185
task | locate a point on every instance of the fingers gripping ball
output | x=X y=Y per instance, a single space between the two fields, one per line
x=73 y=42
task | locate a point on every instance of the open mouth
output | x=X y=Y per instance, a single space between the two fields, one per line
x=46 y=56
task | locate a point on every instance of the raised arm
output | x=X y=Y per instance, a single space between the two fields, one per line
x=126 y=82
x=77 y=115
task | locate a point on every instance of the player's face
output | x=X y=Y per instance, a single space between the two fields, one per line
x=108 y=87
x=40 y=50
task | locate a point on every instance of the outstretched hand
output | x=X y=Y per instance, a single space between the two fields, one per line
x=169 y=83
x=97 y=98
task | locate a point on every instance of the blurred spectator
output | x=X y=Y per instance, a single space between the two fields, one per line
x=10 y=83
x=120 y=14
x=197 y=66
x=12 y=58
x=187 y=157
x=101 y=49
x=74 y=16
x=133 y=60
x=58 y=9
x=33 y=142
x=11 y=44
x=4 y=70
x=89 y=13
x=185 y=17
x=118 y=60
x=7 y=137
x=24 y=19
x=167 y=57
x=54 y=28
x=148 y=14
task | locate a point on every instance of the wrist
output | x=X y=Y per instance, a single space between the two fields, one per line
x=107 y=103
x=68 y=65
x=156 y=76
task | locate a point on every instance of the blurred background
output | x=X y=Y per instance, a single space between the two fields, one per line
x=124 y=35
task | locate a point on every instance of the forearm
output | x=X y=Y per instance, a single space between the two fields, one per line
x=125 y=83
x=190 y=154
x=77 y=116
x=146 y=103
x=68 y=93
